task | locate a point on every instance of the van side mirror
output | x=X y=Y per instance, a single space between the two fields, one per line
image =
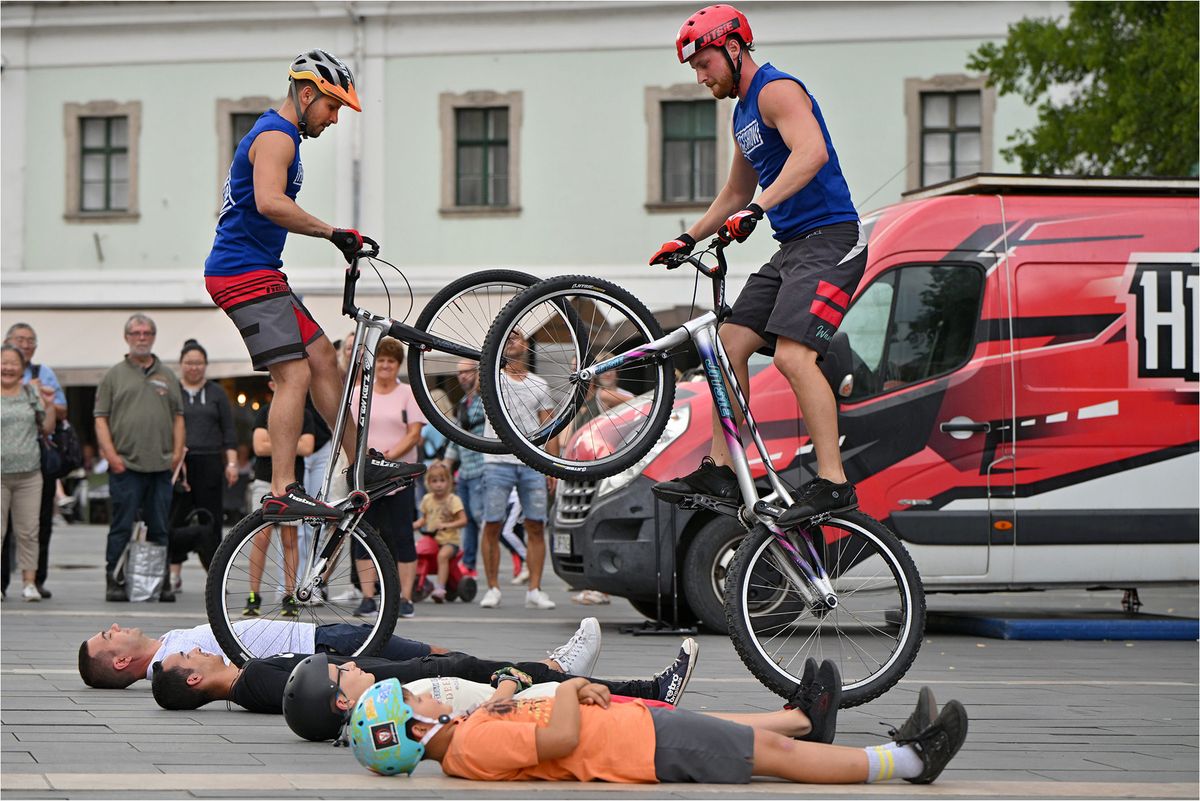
x=838 y=365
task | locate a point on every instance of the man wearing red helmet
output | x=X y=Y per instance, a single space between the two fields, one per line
x=794 y=304
x=242 y=274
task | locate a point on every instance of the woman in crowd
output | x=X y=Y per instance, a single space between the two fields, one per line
x=26 y=410
x=212 y=460
x=394 y=431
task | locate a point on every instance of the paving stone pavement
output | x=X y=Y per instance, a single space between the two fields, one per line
x=1048 y=719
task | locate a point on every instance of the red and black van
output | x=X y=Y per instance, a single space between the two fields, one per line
x=1020 y=403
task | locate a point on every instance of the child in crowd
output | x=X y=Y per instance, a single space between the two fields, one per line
x=443 y=517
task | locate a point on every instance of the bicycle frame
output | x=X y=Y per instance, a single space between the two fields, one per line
x=369 y=330
x=806 y=571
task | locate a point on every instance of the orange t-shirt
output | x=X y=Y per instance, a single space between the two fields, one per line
x=496 y=743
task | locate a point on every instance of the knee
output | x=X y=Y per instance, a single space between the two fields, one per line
x=794 y=359
x=291 y=374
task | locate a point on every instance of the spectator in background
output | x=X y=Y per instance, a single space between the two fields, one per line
x=140 y=430
x=442 y=517
x=395 y=431
x=24 y=338
x=211 y=457
x=288 y=532
x=469 y=486
x=26 y=410
x=434 y=443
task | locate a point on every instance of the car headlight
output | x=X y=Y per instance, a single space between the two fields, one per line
x=677 y=423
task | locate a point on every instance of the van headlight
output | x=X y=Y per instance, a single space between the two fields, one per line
x=677 y=423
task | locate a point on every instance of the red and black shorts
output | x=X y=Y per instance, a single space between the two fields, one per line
x=271 y=319
x=802 y=293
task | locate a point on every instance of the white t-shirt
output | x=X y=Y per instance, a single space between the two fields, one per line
x=524 y=400
x=465 y=695
x=264 y=637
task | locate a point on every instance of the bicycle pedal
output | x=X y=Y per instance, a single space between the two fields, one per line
x=692 y=502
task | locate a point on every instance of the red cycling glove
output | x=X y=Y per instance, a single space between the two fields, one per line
x=350 y=242
x=682 y=245
x=739 y=225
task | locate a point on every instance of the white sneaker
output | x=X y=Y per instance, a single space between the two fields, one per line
x=30 y=593
x=522 y=577
x=536 y=599
x=491 y=598
x=349 y=596
x=578 y=655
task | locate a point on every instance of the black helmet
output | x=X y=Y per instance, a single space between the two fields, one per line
x=310 y=701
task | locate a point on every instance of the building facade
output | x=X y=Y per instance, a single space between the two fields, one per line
x=551 y=137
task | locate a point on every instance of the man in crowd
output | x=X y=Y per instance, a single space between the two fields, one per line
x=24 y=338
x=139 y=428
x=469 y=483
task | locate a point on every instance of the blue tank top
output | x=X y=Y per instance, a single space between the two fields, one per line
x=825 y=199
x=246 y=240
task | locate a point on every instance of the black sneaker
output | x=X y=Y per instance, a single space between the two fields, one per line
x=711 y=479
x=253 y=603
x=939 y=742
x=367 y=609
x=819 y=497
x=406 y=608
x=674 y=679
x=921 y=718
x=819 y=698
x=380 y=471
x=290 y=607
x=296 y=504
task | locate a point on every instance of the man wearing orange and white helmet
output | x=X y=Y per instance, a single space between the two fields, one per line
x=243 y=275
x=795 y=303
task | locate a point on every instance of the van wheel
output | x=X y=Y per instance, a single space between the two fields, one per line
x=646 y=607
x=704 y=569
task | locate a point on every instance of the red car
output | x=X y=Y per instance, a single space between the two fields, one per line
x=1019 y=403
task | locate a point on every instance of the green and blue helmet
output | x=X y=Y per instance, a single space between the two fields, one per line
x=378 y=730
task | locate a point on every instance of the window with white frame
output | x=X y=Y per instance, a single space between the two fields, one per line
x=950 y=127
x=101 y=160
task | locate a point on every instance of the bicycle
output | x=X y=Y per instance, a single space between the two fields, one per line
x=840 y=586
x=450 y=328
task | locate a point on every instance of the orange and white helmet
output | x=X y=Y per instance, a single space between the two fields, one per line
x=331 y=76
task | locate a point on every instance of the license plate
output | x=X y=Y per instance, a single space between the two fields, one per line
x=562 y=544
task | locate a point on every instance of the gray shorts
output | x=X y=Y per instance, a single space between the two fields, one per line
x=275 y=325
x=802 y=293
x=690 y=747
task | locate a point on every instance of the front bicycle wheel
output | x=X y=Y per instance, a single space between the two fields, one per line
x=549 y=417
x=253 y=555
x=874 y=631
x=461 y=313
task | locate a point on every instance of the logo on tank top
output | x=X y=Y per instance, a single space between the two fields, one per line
x=299 y=173
x=749 y=137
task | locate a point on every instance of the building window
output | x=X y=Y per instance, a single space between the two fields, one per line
x=950 y=145
x=689 y=151
x=688 y=147
x=950 y=125
x=481 y=156
x=105 y=158
x=481 y=153
x=234 y=120
x=101 y=164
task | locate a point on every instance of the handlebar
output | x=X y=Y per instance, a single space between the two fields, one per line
x=370 y=250
x=716 y=272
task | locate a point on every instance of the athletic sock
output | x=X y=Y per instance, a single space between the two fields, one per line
x=892 y=761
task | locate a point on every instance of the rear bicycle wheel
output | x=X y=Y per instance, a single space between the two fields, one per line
x=549 y=418
x=874 y=632
x=461 y=313
x=253 y=546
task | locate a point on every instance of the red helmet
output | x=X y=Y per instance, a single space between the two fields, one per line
x=711 y=26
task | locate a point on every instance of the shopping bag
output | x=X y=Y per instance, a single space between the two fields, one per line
x=142 y=567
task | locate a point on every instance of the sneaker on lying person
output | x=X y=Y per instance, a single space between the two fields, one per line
x=711 y=479
x=578 y=655
x=673 y=680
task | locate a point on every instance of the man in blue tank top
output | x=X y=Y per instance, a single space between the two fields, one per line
x=243 y=276
x=796 y=302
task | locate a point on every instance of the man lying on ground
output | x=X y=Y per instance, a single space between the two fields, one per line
x=320 y=695
x=117 y=657
x=192 y=679
x=578 y=735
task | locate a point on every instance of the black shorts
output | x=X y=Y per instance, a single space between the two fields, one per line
x=392 y=517
x=803 y=291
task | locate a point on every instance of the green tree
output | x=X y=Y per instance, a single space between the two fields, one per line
x=1115 y=86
